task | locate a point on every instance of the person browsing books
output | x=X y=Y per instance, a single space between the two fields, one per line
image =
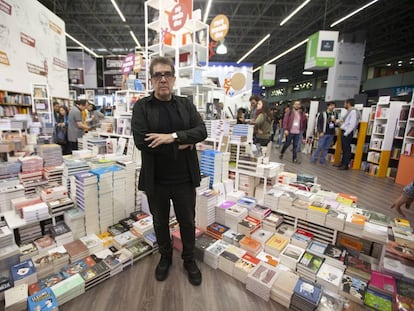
x=406 y=198
x=165 y=128
x=76 y=126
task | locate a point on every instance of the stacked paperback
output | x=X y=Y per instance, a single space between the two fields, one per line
x=61 y=233
x=309 y=266
x=69 y=288
x=251 y=246
x=24 y=273
x=75 y=219
x=213 y=252
x=291 y=255
x=229 y=257
x=330 y=277
x=272 y=221
x=76 y=250
x=234 y=215
x=202 y=242
x=16 y=298
x=283 y=287
x=93 y=243
x=244 y=266
x=206 y=208
x=275 y=245
x=306 y=296
x=260 y=280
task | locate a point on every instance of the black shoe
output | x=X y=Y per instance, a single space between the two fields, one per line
x=343 y=168
x=337 y=165
x=194 y=274
x=161 y=272
x=281 y=156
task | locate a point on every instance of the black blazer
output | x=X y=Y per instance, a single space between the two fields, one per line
x=145 y=118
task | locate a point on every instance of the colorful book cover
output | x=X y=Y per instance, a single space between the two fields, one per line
x=362 y=267
x=308 y=290
x=78 y=266
x=316 y=247
x=23 y=270
x=405 y=289
x=383 y=282
x=353 y=286
x=277 y=242
x=311 y=262
x=403 y=303
x=43 y=300
x=378 y=301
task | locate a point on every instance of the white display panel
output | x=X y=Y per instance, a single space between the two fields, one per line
x=32 y=48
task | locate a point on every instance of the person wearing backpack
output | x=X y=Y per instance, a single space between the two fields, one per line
x=348 y=124
x=325 y=129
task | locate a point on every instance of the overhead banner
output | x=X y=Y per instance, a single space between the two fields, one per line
x=321 y=50
x=344 y=79
x=267 y=75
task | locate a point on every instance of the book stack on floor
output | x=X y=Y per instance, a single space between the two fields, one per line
x=260 y=280
x=110 y=260
x=291 y=255
x=251 y=246
x=244 y=266
x=221 y=211
x=309 y=265
x=68 y=289
x=275 y=245
x=229 y=257
x=42 y=300
x=44 y=244
x=262 y=236
x=93 y=243
x=27 y=251
x=176 y=238
x=330 y=277
x=76 y=250
x=105 y=197
x=301 y=238
x=124 y=239
x=144 y=225
x=381 y=291
x=206 y=208
x=75 y=219
x=248 y=225
x=202 y=242
x=24 y=273
x=59 y=257
x=43 y=265
x=61 y=233
x=8 y=193
x=283 y=287
x=353 y=288
x=16 y=298
x=96 y=274
x=306 y=296
x=87 y=200
x=119 y=199
x=51 y=154
x=54 y=175
x=234 y=215
x=139 y=249
x=71 y=167
x=212 y=253
x=272 y=221
x=36 y=212
x=216 y=230
x=130 y=172
x=232 y=237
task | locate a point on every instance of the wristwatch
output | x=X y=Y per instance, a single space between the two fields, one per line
x=174 y=135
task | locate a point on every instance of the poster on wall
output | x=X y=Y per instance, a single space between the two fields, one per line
x=32 y=48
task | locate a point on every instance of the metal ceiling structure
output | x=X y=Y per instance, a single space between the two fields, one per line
x=387 y=27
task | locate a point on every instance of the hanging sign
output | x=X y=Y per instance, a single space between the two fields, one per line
x=178 y=17
x=219 y=27
x=321 y=50
x=267 y=75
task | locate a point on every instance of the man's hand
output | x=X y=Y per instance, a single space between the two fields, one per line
x=286 y=132
x=321 y=134
x=157 y=139
x=402 y=200
x=185 y=146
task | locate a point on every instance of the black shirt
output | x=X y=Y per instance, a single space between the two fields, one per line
x=170 y=168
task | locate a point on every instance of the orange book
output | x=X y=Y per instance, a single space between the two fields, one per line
x=347 y=196
x=359 y=219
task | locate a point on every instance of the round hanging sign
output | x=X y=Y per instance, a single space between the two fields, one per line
x=178 y=17
x=219 y=27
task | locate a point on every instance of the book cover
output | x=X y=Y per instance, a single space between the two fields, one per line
x=405 y=289
x=51 y=280
x=336 y=252
x=354 y=287
x=403 y=303
x=22 y=270
x=310 y=291
x=78 y=266
x=277 y=242
x=317 y=248
x=383 y=282
x=311 y=262
x=378 y=301
x=117 y=229
x=42 y=300
x=359 y=267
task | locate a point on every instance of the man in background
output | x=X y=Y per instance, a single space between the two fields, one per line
x=76 y=126
x=325 y=129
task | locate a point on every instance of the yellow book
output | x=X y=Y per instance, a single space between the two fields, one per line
x=319 y=207
x=107 y=238
x=401 y=222
x=277 y=242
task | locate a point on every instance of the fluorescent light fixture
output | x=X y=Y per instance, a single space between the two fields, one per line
x=207 y=11
x=135 y=38
x=353 y=13
x=399 y=65
x=296 y=88
x=389 y=64
x=221 y=49
x=118 y=10
x=307 y=73
x=253 y=48
x=256 y=69
x=287 y=51
x=300 y=7
x=326 y=81
x=400 y=61
x=283 y=80
x=82 y=45
x=263 y=87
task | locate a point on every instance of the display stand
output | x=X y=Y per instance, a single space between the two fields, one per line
x=41 y=104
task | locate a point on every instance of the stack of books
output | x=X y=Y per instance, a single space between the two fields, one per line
x=59 y=257
x=124 y=256
x=87 y=200
x=234 y=215
x=110 y=260
x=58 y=207
x=204 y=184
x=358 y=268
x=229 y=257
x=247 y=202
x=259 y=212
x=72 y=167
x=275 y=245
x=125 y=239
x=285 y=230
x=383 y=284
x=19 y=203
x=317 y=212
x=6 y=236
x=336 y=256
x=213 y=252
x=286 y=200
x=45 y=282
x=232 y=237
x=43 y=265
x=151 y=239
x=69 y=288
x=309 y=265
x=354 y=223
x=27 y=251
x=42 y=300
x=262 y=236
x=105 y=196
x=378 y=301
x=330 y=277
x=291 y=255
x=216 y=230
x=116 y=229
x=301 y=238
x=130 y=172
x=261 y=279
x=9 y=193
x=269 y=259
x=127 y=222
x=272 y=221
x=16 y=298
x=76 y=250
x=330 y=301
x=78 y=266
x=96 y=274
x=120 y=199
x=242 y=133
x=210 y=164
x=405 y=294
x=251 y=246
x=144 y=225
x=206 y=208
x=221 y=211
x=107 y=238
x=51 y=154
x=44 y=244
x=24 y=273
x=244 y=266
x=36 y=212
x=317 y=248
x=61 y=233
x=75 y=219
x=54 y=175
x=375 y=232
x=335 y=219
x=93 y=243
x=306 y=296
x=283 y=287
x=299 y=209
x=353 y=288
x=249 y=225
x=54 y=193
x=139 y=249
x=271 y=199
x=202 y=242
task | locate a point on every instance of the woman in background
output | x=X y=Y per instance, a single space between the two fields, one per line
x=61 y=130
x=263 y=126
x=95 y=116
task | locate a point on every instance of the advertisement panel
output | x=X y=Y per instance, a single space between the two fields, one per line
x=321 y=50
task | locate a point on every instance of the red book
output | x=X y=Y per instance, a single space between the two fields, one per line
x=383 y=283
x=305 y=233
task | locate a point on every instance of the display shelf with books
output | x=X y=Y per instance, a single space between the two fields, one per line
x=41 y=104
x=362 y=139
x=126 y=99
x=12 y=103
x=382 y=138
x=408 y=143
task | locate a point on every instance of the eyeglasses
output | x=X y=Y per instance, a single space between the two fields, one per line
x=168 y=75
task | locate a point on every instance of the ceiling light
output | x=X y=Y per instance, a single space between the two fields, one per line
x=263 y=87
x=307 y=73
x=207 y=11
x=300 y=7
x=326 y=81
x=388 y=64
x=221 y=49
x=253 y=48
x=399 y=65
x=118 y=10
x=400 y=61
x=296 y=88
x=283 y=80
x=353 y=13
x=82 y=45
x=285 y=52
x=411 y=63
x=135 y=38
x=412 y=58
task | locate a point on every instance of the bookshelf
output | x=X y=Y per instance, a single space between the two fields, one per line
x=125 y=100
x=12 y=103
x=41 y=104
x=382 y=137
x=408 y=141
x=360 y=152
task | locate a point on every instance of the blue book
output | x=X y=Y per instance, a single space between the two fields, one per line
x=309 y=291
x=42 y=300
x=22 y=270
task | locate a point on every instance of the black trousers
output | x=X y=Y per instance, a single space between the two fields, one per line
x=346 y=148
x=183 y=197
